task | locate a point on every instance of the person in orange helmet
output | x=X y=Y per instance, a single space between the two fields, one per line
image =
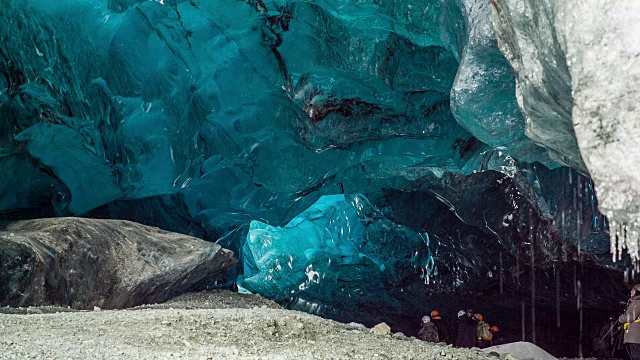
x=443 y=331
x=498 y=339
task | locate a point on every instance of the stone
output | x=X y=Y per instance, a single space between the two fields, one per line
x=381 y=329
x=399 y=335
x=102 y=264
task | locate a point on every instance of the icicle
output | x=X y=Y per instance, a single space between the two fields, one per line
x=501 y=277
x=575 y=280
x=614 y=243
x=533 y=290
x=575 y=199
x=626 y=276
x=578 y=217
x=518 y=268
x=580 y=354
x=632 y=240
x=619 y=240
x=523 y=321
x=635 y=239
x=557 y=296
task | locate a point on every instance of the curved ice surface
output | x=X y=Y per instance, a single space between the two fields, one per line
x=483 y=94
x=578 y=70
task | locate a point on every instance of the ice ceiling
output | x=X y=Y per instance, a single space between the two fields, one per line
x=351 y=152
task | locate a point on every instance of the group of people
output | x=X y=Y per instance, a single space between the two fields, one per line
x=473 y=331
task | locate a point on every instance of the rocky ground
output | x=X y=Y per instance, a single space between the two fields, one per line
x=216 y=299
x=211 y=325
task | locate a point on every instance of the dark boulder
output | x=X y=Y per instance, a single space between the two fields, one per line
x=84 y=263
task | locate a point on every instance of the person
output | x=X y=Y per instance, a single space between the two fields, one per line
x=483 y=333
x=485 y=336
x=479 y=332
x=496 y=338
x=466 y=329
x=631 y=320
x=429 y=332
x=443 y=331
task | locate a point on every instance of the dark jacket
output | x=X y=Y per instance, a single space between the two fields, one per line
x=498 y=339
x=632 y=333
x=443 y=331
x=466 y=332
x=429 y=332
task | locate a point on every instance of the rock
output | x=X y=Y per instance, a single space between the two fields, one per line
x=106 y=264
x=356 y=326
x=400 y=335
x=381 y=329
x=96 y=308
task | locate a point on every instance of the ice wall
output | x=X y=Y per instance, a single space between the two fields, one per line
x=578 y=72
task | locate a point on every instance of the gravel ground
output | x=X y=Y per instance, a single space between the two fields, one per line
x=214 y=325
x=215 y=299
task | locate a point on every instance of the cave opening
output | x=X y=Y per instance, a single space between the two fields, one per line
x=365 y=161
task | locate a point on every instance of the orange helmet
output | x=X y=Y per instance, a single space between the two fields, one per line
x=435 y=314
x=494 y=329
x=479 y=316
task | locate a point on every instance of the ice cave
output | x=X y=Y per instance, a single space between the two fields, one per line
x=364 y=161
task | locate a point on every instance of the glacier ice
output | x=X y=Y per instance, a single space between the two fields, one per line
x=577 y=74
x=336 y=241
x=483 y=94
x=543 y=88
x=235 y=120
